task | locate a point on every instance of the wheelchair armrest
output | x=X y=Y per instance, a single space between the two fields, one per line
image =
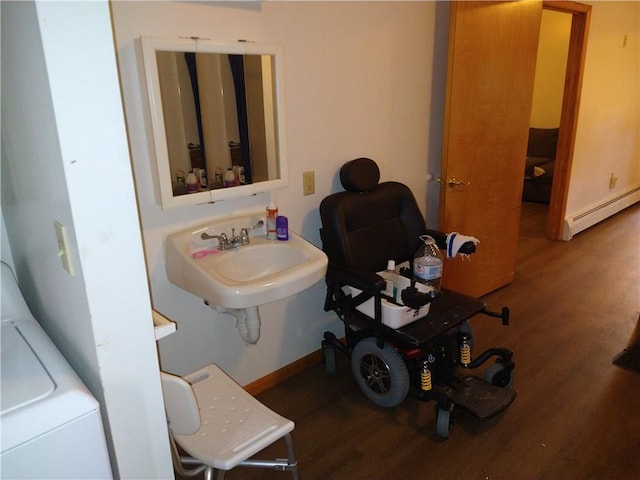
x=362 y=280
x=414 y=298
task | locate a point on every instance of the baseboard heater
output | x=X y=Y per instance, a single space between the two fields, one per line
x=589 y=217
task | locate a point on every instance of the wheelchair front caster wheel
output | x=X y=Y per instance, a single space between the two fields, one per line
x=498 y=375
x=444 y=420
x=329 y=359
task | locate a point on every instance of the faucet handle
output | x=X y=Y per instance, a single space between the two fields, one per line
x=257 y=225
x=244 y=235
x=223 y=241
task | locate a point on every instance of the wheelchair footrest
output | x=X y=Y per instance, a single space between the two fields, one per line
x=480 y=398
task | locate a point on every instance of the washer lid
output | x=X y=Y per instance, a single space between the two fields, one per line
x=23 y=378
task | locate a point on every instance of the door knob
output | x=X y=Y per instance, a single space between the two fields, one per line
x=453 y=181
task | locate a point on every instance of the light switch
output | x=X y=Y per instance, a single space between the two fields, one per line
x=308 y=183
x=63 y=247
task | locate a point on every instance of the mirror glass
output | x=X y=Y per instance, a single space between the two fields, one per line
x=217 y=118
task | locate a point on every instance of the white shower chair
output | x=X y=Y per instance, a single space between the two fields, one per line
x=220 y=425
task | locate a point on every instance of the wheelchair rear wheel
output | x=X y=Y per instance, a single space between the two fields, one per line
x=381 y=373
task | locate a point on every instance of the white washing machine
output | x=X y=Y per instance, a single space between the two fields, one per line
x=50 y=423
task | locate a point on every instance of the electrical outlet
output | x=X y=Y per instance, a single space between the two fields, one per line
x=308 y=183
x=612 y=182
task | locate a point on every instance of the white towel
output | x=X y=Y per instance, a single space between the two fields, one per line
x=455 y=240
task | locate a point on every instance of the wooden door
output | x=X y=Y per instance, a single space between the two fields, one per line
x=490 y=75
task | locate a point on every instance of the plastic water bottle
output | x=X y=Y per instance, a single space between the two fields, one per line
x=427 y=264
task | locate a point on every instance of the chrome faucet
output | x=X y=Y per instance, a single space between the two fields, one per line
x=225 y=243
x=238 y=241
x=223 y=240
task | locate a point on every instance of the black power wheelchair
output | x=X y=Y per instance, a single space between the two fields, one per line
x=418 y=344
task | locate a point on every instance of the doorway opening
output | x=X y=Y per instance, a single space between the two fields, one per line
x=546 y=110
x=561 y=170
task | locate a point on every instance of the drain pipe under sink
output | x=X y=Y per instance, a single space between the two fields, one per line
x=247 y=321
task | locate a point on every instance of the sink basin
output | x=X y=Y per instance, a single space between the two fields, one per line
x=257 y=261
x=263 y=271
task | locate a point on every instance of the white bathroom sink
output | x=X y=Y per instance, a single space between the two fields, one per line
x=258 y=260
x=251 y=275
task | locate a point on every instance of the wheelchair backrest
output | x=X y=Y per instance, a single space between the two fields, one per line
x=370 y=222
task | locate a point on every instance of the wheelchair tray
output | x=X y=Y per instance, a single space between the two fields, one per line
x=446 y=312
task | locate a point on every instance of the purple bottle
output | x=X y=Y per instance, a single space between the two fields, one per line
x=282 y=228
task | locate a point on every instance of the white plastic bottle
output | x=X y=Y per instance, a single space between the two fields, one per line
x=272 y=213
x=427 y=264
x=229 y=178
x=391 y=278
x=192 y=182
x=203 y=178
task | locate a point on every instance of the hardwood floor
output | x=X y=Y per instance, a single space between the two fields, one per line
x=574 y=306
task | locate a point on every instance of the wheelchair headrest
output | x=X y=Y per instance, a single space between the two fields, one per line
x=359 y=175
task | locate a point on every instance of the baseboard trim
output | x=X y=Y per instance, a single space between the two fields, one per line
x=288 y=371
x=581 y=221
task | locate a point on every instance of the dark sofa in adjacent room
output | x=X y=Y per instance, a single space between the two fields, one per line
x=541 y=157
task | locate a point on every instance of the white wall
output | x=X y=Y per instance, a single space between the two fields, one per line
x=359 y=81
x=607 y=138
x=65 y=158
x=348 y=94
x=362 y=79
x=551 y=65
x=5 y=247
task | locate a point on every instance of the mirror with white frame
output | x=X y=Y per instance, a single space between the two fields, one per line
x=217 y=118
